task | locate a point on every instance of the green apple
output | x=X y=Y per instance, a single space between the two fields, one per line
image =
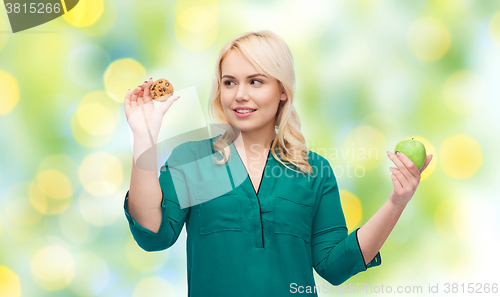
x=414 y=150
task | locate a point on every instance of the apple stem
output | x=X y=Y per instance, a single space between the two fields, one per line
x=412 y=138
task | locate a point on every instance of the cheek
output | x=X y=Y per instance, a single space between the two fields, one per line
x=270 y=103
x=224 y=99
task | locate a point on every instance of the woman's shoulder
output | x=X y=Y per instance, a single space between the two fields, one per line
x=194 y=149
x=315 y=158
x=195 y=158
x=196 y=144
x=321 y=165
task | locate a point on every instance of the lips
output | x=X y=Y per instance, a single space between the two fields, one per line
x=245 y=108
x=243 y=115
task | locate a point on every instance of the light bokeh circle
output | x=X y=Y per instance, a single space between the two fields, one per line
x=494 y=28
x=429 y=39
x=45 y=204
x=101 y=173
x=122 y=75
x=10 y=91
x=351 y=205
x=64 y=164
x=10 y=285
x=54 y=184
x=97 y=114
x=195 y=27
x=85 y=13
x=53 y=267
x=460 y=156
x=95 y=119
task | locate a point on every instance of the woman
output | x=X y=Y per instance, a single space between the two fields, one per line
x=262 y=217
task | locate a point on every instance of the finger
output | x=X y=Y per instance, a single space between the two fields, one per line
x=427 y=161
x=126 y=103
x=166 y=105
x=410 y=166
x=133 y=100
x=399 y=164
x=140 y=98
x=402 y=179
x=396 y=183
x=136 y=92
x=147 y=96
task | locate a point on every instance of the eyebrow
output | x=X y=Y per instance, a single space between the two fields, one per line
x=250 y=76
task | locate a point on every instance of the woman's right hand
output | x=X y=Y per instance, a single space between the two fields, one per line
x=141 y=113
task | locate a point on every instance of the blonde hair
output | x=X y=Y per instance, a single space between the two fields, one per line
x=270 y=55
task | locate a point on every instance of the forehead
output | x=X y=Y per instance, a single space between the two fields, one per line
x=236 y=64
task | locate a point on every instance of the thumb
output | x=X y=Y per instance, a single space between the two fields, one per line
x=166 y=105
x=427 y=161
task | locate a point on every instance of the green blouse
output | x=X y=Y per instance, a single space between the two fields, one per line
x=242 y=243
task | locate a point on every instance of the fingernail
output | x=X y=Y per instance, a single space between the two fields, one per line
x=390 y=169
x=388 y=153
x=398 y=153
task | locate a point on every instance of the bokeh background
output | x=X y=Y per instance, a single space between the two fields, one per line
x=369 y=74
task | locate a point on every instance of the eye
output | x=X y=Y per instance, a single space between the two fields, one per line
x=257 y=81
x=226 y=82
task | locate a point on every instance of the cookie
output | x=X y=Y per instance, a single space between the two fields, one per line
x=161 y=90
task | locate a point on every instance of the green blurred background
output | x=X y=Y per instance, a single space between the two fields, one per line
x=369 y=74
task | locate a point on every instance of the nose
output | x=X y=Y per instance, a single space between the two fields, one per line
x=242 y=93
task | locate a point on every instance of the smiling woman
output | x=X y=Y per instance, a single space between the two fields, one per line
x=265 y=215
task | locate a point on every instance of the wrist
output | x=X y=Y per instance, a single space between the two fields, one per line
x=145 y=138
x=400 y=204
x=144 y=155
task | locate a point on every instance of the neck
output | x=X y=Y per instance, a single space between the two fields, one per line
x=255 y=141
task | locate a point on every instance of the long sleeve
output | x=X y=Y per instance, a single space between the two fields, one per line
x=173 y=216
x=336 y=255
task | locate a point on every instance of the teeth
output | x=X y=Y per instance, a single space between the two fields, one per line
x=244 y=110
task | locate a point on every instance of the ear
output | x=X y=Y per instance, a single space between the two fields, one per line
x=284 y=96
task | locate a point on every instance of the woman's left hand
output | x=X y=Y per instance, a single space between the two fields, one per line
x=405 y=177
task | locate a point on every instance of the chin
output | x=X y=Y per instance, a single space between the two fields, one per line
x=244 y=127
